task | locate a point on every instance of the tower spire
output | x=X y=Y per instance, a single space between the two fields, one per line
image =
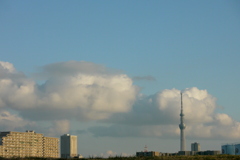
x=182 y=126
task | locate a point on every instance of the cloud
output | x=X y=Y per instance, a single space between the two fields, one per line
x=60 y=127
x=6 y=67
x=17 y=91
x=85 y=91
x=13 y=122
x=81 y=131
x=145 y=78
x=73 y=68
x=121 y=130
x=9 y=122
x=158 y=116
x=111 y=153
x=80 y=90
x=164 y=108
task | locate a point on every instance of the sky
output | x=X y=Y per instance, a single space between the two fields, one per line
x=111 y=72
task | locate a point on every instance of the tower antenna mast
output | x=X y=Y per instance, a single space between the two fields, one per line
x=145 y=148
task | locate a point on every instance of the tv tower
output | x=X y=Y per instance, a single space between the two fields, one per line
x=182 y=126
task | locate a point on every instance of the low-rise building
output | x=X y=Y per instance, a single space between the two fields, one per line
x=147 y=154
x=208 y=152
x=184 y=153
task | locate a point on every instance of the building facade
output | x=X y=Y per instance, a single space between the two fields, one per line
x=148 y=154
x=189 y=153
x=208 y=152
x=28 y=144
x=50 y=147
x=195 y=146
x=68 y=146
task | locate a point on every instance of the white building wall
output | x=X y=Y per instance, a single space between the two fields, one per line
x=73 y=148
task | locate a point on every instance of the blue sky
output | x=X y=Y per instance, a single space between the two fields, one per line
x=166 y=44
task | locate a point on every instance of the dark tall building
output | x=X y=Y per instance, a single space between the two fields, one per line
x=68 y=146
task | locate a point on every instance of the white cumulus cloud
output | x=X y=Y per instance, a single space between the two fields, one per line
x=158 y=116
x=80 y=90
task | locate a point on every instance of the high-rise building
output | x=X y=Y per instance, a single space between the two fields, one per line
x=182 y=126
x=68 y=146
x=195 y=146
x=28 y=144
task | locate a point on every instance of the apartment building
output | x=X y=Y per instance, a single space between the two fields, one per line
x=28 y=144
x=50 y=147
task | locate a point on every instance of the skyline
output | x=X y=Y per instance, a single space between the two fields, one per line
x=111 y=72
